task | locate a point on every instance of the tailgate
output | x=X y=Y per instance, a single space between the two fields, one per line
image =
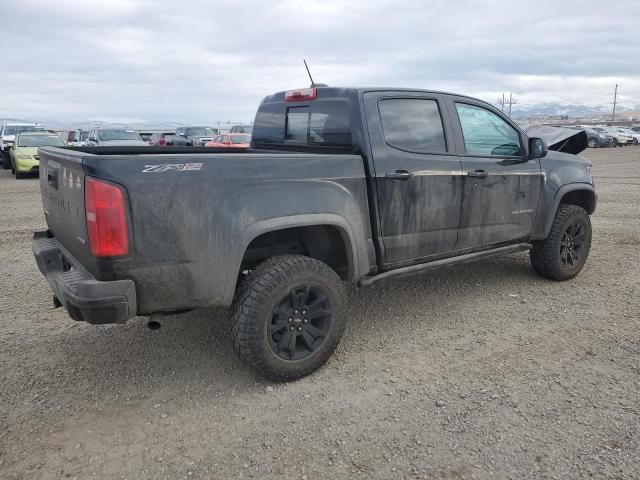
x=62 y=186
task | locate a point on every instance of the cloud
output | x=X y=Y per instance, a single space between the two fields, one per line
x=200 y=61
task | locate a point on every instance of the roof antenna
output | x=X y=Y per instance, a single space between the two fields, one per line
x=313 y=84
x=307 y=67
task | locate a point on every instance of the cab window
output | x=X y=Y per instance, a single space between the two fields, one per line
x=413 y=124
x=486 y=134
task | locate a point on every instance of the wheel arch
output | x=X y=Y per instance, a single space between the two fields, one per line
x=313 y=230
x=580 y=194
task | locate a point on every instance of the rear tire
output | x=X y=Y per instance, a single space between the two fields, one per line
x=593 y=143
x=288 y=317
x=564 y=252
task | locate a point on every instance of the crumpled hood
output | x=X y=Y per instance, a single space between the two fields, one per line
x=559 y=139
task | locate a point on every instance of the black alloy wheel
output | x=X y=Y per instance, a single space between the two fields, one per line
x=300 y=323
x=572 y=245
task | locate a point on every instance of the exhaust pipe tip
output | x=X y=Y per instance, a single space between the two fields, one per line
x=153 y=324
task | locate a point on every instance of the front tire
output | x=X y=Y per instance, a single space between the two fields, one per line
x=288 y=317
x=564 y=252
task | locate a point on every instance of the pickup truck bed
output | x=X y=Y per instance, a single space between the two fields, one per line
x=192 y=214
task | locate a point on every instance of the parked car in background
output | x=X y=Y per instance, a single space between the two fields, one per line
x=594 y=138
x=162 y=139
x=114 y=137
x=193 y=136
x=635 y=129
x=24 y=153
x=77 y=138
x=620 y=137
x=8 y=135
x=231 y=140
x=635 y=135
x=241 y=129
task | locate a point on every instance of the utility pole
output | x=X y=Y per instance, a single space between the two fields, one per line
x=502 y=102
x=512 y=101
x=615 y=98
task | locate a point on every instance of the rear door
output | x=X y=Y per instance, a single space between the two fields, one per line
x=501 y=186
x=417 y=174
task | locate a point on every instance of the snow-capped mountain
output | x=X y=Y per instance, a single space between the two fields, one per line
x=570 y=110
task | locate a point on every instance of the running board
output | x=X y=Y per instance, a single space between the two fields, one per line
x=446 y=262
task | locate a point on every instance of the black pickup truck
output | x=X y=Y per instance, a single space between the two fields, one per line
x=339 y=185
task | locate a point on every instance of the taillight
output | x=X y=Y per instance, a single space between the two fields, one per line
x=106 y=219
x=301 y=94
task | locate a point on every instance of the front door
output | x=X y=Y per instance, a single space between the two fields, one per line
x=417 y=174
x=501 y=184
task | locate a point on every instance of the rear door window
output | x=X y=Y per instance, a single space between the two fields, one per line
x=413 y=124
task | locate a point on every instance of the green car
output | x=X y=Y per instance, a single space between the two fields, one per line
x=24 y=153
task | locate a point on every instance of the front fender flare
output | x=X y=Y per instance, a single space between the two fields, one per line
x=560 y=193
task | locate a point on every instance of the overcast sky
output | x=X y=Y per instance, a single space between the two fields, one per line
x=191 y=60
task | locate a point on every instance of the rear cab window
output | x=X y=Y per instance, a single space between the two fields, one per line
x=305 y=124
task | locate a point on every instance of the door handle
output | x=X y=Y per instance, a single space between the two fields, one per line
x=400 y=175
x=478 y=173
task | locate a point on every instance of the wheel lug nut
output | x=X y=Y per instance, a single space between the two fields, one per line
x=299 y=329
x=305 y=320
x=292 y=328
x=290 y=319
x=304 y=312
x=295 y=311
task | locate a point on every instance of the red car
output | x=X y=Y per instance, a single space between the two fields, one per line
x=161 y=139
x=230 y=140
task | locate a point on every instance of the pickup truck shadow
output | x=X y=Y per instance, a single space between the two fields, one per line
x=195 y=349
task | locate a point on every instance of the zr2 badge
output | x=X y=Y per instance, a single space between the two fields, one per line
x=172 y=167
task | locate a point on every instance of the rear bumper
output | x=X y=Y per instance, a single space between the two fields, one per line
x=85 y=298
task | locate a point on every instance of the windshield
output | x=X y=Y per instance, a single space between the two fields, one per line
x=40 y=141
x=199 y=132
x=83 y=136
x=108 y=135
x=235 y=139
x=15 y=129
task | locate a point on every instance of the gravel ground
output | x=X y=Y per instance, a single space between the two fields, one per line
x=478 y=371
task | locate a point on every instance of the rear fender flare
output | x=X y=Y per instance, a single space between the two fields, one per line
x=261 y=227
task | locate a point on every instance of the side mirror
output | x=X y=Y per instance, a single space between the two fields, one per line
x=537 y=148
